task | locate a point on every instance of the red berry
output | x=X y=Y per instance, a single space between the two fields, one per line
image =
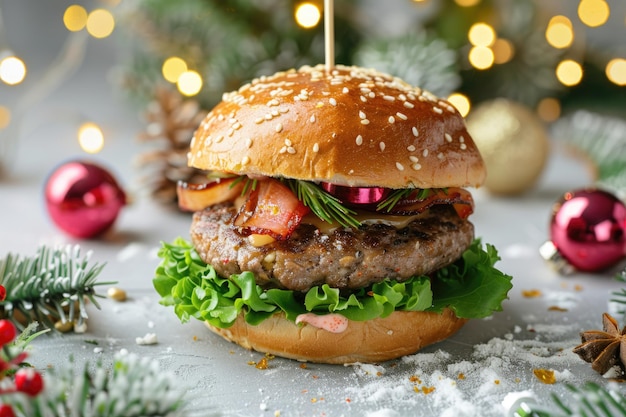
x=7 y=332
x=6 y=411
x=28 y=381
x=3 y=296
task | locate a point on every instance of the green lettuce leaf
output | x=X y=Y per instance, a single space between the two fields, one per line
x=472 y=287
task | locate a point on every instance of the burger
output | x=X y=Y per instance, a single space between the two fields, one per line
x=334 y=225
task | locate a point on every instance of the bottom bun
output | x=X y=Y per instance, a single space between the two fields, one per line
x=401 y=333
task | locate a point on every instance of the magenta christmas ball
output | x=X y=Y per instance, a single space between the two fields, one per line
x=588 y=228
x=83 y=199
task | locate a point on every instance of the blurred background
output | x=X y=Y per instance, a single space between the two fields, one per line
x=129 y=80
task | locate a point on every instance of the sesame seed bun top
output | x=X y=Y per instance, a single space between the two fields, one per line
x=350 y=126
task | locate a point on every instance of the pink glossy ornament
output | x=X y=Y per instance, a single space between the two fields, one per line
x=83 y=199
x=588 y=228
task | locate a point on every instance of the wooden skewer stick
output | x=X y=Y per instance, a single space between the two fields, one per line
x=329 y=34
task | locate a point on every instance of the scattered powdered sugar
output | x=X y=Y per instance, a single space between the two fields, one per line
x=443 y=385
x=148 y=339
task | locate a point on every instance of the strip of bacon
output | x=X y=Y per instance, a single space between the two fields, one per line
x=195 y=197
x=270 y=209
x=460 y=199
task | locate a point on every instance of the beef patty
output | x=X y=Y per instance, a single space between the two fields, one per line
x=343 y=258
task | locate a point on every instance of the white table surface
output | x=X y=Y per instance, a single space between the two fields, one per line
x=497 y=355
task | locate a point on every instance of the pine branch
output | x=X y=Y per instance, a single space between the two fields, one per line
x=131 y=387
x=619 y=297
x=53 y=285
x=602 y=140
x=589 y=400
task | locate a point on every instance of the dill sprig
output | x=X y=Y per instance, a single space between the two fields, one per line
x=589 y=400
x=132 y=386
x=51 y=286
x=322 y=204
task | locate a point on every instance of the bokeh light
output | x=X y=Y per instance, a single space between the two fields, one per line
x=569 y=72
x=172 y=68
x=307 y=15
x=5 y=117
x=90 y=137
x=461 y=102
x=549 y=109
x=467 y=3
x=189 y=83
x=75 y=18
x=481 y=57
x=12 y=70
x=616 y=71
x=593 y=13
x=503 y=51
x=100 y=23
x=559 y=32
x=481 y=34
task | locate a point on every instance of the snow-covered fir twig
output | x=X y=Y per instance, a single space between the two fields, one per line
x=132 y=386
x=53 y=285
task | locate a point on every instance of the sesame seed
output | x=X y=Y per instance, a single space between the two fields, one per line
x=463 y=146
x=345 y=90
x=382 y=146
x=245 y=160
x=248 y=142
x=410 y=148
x=220 y=117
x=416 y=167
x=402 y=97
x=199 y=154
x=279 y=128
x=316 y=147
x=413 y=158
x=319 y=104
x=273 y=102
x=437 y=110
x=401 y=116
x=392 y=119
x=408 y=105
x=237 y=126
x=359 y=140
x=230 y=132
x=332 y=101
x=362 y=115
x=415 y=131
x=291 y=150
x=389 y=98
x=312 y=119
x=219 y=139
x=283 y=149
x=363 y=99
x=425 y=153
x=371 y=94
x=268 y=116
x=365 y=122
x=283 y=109
x=461 y=139
x=448 y=137
x=274 y=113
x=399 y=166
x=288 y=142
x=259 y=120
x=440 y=155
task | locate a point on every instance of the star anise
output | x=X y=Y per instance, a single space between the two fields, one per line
x=604 y=349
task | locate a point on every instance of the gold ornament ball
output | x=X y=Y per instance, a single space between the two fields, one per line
x=513 y=142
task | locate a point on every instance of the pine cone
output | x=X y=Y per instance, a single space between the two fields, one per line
x=170 y=124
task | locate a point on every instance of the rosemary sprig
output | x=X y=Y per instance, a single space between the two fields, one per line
x=248 y=184
x=620 y=296
x=322 y=204
x=392 y=199
x=50 y=286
